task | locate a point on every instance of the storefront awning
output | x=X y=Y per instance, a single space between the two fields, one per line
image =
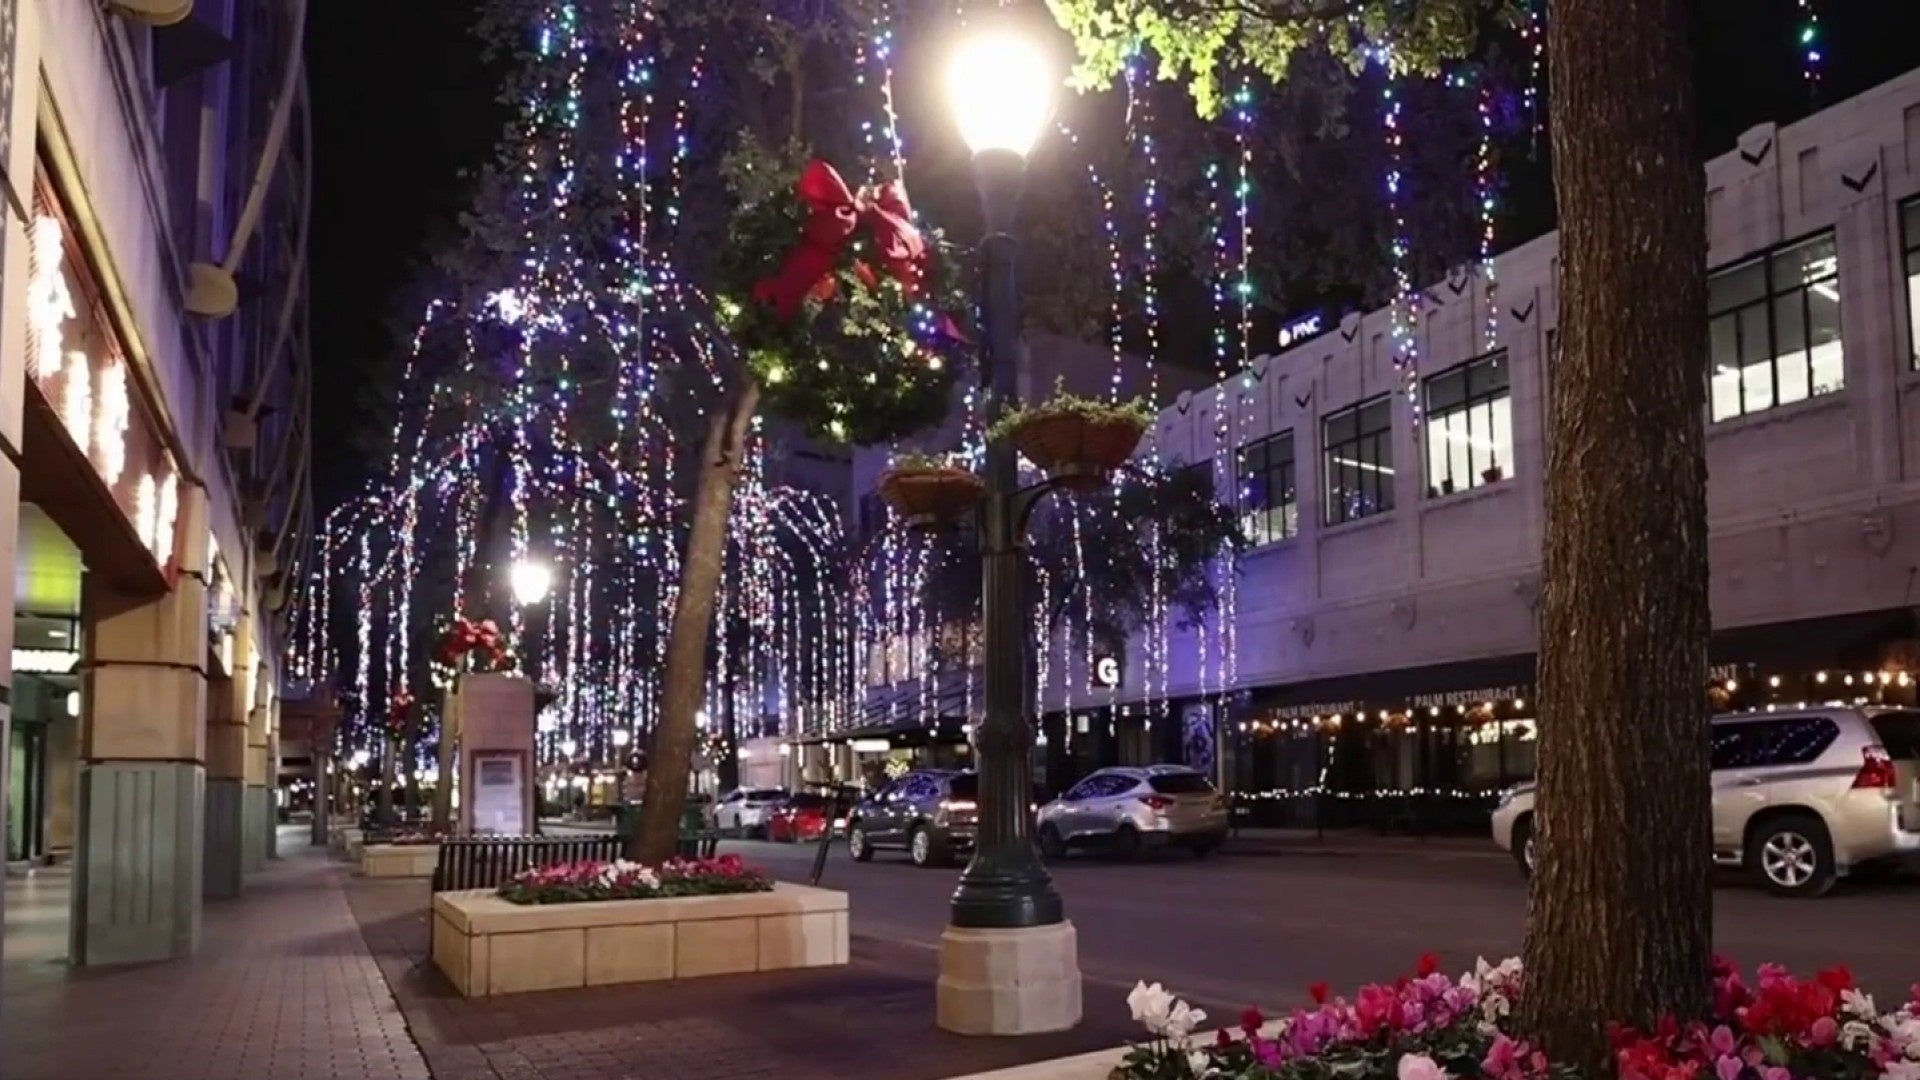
x=900 y=734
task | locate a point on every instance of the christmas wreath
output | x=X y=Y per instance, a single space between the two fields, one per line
x=842 y=307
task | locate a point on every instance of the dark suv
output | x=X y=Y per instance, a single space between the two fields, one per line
x=929 y=813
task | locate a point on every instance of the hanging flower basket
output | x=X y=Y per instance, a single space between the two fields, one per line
x=1078 y=442
x=931 y=494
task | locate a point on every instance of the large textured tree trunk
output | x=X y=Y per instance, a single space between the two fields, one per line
x=670 y=757
x=1621 y=913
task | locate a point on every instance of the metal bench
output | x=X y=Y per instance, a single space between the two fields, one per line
x=487 y=862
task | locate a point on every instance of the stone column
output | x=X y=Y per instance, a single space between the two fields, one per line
x=321 y=754
x=259 y=794
x=19 y=85
x=63 y=770
x=228 y=701
x=137 y=882
x=273 y=778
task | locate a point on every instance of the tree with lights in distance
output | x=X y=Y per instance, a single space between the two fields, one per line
x=1621 y=908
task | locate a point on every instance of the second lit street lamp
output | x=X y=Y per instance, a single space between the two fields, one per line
x=1009 y=959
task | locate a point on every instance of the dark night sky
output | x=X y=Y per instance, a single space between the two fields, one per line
x=404 y=108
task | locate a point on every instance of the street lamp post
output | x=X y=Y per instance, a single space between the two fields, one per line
x=1006 y=918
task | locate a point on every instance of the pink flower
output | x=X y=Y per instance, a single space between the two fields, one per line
x=1729 y=1068
x=1824 y=1032
x=1420 y=1067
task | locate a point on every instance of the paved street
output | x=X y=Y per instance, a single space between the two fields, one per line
x=1261 y=927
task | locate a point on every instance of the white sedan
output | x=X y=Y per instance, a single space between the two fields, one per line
x=747 y=810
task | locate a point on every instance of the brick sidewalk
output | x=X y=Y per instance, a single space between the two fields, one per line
x=282 y=988
x=871 y=1019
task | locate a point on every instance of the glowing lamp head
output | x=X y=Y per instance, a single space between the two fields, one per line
x=621 y=736
x=1000 y=87
x=531 y=581
x=569 y=747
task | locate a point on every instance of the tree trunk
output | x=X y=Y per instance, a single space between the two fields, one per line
x=683 y=683
x=383 y=803
x=443 y=784
x=1621 y=910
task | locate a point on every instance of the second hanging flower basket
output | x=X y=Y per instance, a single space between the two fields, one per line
x=927 y=491
x=1078 y=442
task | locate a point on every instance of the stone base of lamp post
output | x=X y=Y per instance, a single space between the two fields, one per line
x=1009 y=982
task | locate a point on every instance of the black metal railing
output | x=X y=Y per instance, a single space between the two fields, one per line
x=487 y=862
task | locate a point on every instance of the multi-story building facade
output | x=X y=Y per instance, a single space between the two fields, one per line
x=1378 y=657
x=154 y=502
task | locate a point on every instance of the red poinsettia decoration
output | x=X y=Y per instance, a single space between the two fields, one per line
x=835 y=214
x=473 y=646
x=400 y=713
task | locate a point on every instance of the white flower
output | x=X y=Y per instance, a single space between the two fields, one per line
x=1182 y=1020
x=1199 y=1062
x=1150 y=1005
x=1161 y=1012
x=1856 y=1035
x=1858 y=1005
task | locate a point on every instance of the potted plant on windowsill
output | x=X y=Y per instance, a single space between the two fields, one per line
x=1077 y=441
x=928 y=489
x=1493 y=474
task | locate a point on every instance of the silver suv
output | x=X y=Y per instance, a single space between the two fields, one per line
x=1127 y=808
x=1799 y=799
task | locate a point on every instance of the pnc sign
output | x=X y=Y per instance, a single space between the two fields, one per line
x=1296 y=331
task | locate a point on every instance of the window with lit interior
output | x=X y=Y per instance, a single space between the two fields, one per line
x=1359 y=461
x=1774 y=329
x=1910 y=241
x=1269 y=504
x=1469 y=426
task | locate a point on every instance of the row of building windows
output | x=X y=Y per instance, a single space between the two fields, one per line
x=1468 y=415
x=1775 y=339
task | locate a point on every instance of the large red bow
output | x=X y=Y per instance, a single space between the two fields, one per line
x=835 y=214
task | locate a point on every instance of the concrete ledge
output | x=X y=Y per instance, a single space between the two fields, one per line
x=487 y=946
x=399 y=860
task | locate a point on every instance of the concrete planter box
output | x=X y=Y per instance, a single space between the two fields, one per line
x=353 y=840
x=488 y=946
x=399 y=860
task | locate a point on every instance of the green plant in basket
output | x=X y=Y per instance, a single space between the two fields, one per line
x=1135 y=412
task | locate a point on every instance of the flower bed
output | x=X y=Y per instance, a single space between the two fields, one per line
x=487 y=944
x=581 y=882
x=1431 y=1027
x=409 y=858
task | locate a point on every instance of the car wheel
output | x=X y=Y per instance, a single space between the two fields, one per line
x=1793 y=856
x=857 y=844
x=924 y=848
x=1126 y=841
x=1052 y=844
x=1204 y=847
x=1526 y=851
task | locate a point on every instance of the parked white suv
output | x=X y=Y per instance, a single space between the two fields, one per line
x=1799 y=799
x=1127 y=808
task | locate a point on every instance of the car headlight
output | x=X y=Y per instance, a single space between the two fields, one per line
x=1506 y=798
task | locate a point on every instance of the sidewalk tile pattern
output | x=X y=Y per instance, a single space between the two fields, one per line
x=282 y=988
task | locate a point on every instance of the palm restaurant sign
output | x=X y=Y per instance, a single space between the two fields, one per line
x=79 y=367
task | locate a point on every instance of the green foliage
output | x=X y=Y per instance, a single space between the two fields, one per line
x=1195 y=40
x=912 y=462
x=865 y=362
x=1136 y=411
